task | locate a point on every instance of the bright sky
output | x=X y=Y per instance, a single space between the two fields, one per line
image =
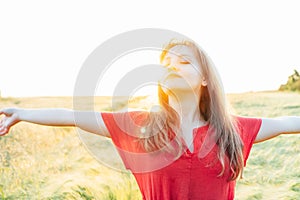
x=254 y=44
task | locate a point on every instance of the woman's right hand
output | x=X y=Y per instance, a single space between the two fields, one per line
x=10 y=118
x=85 y=120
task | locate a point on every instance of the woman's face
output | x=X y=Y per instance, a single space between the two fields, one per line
x=183 y=69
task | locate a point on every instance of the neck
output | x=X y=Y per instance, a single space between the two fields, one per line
x=186 y=105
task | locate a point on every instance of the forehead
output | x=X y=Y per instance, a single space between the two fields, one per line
x=180 y=50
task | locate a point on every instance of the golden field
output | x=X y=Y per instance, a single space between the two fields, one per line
x=42 y=162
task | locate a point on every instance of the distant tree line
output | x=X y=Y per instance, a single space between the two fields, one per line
x=293 y=83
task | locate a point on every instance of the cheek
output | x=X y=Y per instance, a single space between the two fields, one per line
x=195 y=80
x=192 y=73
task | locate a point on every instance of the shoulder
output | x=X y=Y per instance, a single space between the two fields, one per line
x=125 y=116
x=124 y=121
x=248 y=127
x=244 y=122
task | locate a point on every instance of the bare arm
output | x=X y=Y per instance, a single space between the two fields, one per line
x=272 y=127
x=85 y=120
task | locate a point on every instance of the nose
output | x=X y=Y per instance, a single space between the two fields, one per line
x=173 y=68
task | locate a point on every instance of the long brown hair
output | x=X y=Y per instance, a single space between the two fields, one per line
x=213 y=109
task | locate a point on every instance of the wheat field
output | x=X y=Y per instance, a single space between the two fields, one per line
x=42 y=162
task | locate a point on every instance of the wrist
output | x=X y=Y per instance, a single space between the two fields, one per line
x=18 y=114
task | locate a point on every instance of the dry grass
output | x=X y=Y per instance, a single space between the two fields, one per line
x=40 y=162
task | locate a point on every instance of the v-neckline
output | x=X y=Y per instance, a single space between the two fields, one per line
x=194 y=134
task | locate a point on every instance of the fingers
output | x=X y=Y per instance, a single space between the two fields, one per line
x=3 y=128
x=3 y=131
x=8 y=120
x=4 y=125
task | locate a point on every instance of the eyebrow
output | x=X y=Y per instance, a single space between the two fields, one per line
x=185 y=56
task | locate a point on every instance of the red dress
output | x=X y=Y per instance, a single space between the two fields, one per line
x=188 y=177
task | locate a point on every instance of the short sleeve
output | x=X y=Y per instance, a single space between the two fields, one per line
x=124 y=128
x=248 y=130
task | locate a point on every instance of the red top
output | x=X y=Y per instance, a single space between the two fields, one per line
x=160 y=177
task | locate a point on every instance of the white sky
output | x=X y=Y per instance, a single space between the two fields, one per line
x=254 y=44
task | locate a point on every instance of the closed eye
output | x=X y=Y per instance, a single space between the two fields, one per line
x=185 y=62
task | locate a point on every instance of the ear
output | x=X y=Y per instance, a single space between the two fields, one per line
x=204 y=83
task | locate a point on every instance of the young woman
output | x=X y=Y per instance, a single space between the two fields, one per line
x=192 y=148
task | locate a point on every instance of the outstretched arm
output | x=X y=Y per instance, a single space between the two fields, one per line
x=85 y=120
x=272 y=127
